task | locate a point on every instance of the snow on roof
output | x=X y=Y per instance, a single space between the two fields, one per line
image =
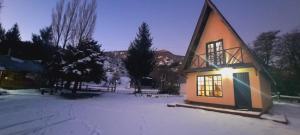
x=17 y=60
x=15 y=64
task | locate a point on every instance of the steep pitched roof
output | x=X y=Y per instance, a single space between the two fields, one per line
x=208 y=7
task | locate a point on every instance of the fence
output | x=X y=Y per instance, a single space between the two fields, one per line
x=288 y=98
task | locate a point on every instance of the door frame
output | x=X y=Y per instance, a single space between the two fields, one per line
x=249 y=106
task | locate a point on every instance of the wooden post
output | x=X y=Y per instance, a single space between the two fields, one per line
x=0 y=76
x=242 y=55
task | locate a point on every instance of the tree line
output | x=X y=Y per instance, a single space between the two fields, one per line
x=280 y=53
x=66 y=48
x=68 y=52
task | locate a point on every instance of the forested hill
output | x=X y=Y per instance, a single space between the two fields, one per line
x=163 y=57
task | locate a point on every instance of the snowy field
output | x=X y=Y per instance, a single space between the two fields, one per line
x=122 y=113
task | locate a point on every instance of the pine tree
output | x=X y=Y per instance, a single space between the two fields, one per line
x=140 y=60
x=84 y=63
x=50 y=55
x=2 y=33
x=12 y=39
x=2 y=38
x=13 y=34
x=45 y=37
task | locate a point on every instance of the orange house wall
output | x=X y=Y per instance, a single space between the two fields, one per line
x=216 y=29
x=227 y=87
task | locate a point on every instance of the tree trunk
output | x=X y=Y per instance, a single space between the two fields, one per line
x=67 y=85
x=62 y=83
x=75 y=87
x=139 y=87
x=115 y=86
x=80 y=85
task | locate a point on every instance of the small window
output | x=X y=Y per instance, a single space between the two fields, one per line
x=215 y=53
x=209 y=86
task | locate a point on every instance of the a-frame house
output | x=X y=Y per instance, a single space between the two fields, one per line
x=221 y=70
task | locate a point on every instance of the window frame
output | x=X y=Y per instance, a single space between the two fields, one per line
x=213 y=90
x=214 y=53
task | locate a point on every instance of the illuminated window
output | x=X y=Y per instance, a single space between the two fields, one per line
x=209 y=85
x=215 y=53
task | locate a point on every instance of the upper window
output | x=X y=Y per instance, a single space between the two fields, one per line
x=209 y=85
x=215 y=53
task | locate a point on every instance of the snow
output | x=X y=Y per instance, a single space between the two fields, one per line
x=88 y=69
x=126 y=114
x=84 y=60
x=2 y=68
x=63 y=62
x=125 y=82
x=75 y=71
x=99 y=63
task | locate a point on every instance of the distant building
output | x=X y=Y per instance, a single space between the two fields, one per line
x=18 y=73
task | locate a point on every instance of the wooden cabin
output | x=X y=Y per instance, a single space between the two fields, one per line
x=221 y=70
x=17 y=73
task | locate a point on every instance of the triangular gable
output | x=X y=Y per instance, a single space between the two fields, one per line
x=206 y=10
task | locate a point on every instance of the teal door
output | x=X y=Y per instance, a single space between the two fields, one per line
x=242 y=91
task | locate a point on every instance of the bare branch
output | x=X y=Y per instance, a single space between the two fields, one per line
x=86 y=21
x=73 y=21
x=57 y=22
x=70 y=18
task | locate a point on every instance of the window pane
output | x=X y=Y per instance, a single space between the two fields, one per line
x=200 y=85
x=218 y=86
x=215 y=53
x=209 y=85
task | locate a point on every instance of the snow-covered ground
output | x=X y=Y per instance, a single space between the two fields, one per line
x=122 y=113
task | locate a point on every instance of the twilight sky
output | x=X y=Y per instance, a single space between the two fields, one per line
x=172 y=22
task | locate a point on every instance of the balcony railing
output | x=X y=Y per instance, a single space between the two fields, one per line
x=225 y=57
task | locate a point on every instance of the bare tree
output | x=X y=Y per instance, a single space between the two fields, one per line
x=70 y=17
x=58 y=23
x=73 y=21
x=1 y=4
x=87 y=19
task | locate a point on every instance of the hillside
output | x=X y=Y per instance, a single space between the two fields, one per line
x=164 y=57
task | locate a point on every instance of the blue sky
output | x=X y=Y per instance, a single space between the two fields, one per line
x=172 y=22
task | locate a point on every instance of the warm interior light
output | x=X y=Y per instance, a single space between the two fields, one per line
x=226 y=72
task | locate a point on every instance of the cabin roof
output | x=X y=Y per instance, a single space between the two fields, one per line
x=19 y=65
x=206 y=10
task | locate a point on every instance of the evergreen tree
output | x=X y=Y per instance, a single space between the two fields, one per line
x=13 y=34
x=140 y=60
x=84 y=63
x=2 y=33
x=2 y=38
x=264 y=45
x=12 y=40
x=50 y=55
x=45 y=37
